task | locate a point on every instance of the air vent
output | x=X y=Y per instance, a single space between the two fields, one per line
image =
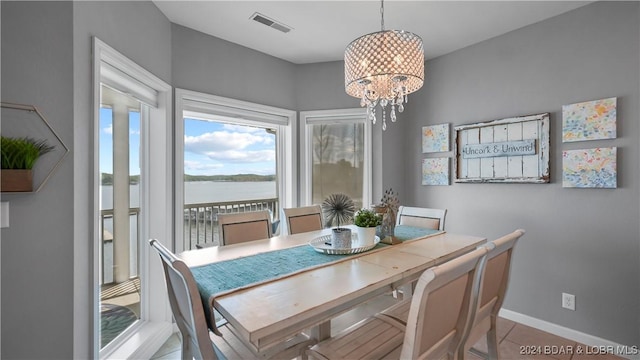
x=270 y=22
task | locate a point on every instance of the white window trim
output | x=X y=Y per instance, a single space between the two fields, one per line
x=244 y=112
x=357 y=115
x=144 y=338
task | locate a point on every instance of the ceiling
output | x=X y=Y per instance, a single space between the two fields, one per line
x=322 y=29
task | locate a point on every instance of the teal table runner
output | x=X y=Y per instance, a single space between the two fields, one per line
x=217 y=278
x=405 y=232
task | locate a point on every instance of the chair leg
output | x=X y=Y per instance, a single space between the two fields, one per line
x=492 y=340
x=187 y=354
x=403 y=292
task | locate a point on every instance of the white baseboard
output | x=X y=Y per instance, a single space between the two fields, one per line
x=146 y=342
x=628 y=352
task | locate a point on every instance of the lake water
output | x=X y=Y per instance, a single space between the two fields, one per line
x=205 y=192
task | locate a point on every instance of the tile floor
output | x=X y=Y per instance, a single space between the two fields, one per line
x=517 y=341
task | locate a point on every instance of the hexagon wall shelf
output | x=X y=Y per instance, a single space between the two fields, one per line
x=27 y=121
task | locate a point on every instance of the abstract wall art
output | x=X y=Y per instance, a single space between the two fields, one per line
x=435 y=138
x=589 y=168
x=590 y=120
x=435 y=171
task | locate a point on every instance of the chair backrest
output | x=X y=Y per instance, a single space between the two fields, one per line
x=442 y=307
x=186 y=305
x=302 y=219
x=247 y=226
x=494 y=283
x=421 y=217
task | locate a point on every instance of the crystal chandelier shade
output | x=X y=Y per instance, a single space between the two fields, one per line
x=383 y=68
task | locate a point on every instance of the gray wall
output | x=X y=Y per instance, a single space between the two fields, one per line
x=37 y=258
x=580 y=241
x=46 y=61
x=215 y=66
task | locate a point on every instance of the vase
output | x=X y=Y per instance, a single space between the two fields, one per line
x=340 y=238
x=366 y=235
x=16 y=180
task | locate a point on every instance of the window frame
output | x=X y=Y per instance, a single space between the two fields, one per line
x=334 y=116
x=246 y=113
x=155 y=324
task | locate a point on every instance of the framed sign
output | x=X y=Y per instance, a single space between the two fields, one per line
x=514 y=150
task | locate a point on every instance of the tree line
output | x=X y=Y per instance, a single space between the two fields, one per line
x=107 y=179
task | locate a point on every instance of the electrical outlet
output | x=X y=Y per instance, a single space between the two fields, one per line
x=569 y=301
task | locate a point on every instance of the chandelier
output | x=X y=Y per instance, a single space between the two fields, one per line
x=383 y=68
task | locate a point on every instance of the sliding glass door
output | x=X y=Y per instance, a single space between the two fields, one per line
x=132 y=176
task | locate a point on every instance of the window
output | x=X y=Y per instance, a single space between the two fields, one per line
x=337 y=156
x=235 y=156
x=133 y=197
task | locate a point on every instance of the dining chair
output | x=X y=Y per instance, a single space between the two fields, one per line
x=439 y=315
x=302 y=219
x=421 y=217
x=492 y=293
x=246 y=226
x=186 y=307
x=188 y=312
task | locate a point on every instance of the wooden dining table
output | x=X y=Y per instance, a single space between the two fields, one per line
x=268 y=312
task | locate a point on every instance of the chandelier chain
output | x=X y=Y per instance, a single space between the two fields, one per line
x=382 y=15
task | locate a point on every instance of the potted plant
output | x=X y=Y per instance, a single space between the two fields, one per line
x=338 y=209
x=366 y=221
x=19 y=155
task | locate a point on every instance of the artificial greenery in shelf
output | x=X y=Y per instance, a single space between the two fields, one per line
x=22 y=153
x=18 y=157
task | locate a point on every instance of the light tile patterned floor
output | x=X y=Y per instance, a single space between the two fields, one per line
x=517 y=341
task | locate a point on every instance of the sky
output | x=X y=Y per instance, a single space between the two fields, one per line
x=210 y=148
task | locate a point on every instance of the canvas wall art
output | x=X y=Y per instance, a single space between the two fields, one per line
x=590 y=120
x=435 y=138
x=435 y=171
x=589 y=168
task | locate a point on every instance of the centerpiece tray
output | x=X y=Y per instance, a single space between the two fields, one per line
x=322 y=244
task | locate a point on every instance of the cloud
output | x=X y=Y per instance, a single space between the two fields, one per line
x=242 y=128
x=247 y=156
x=221 y=141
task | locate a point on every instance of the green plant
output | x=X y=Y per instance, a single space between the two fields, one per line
x=367 y=218
x=22 y=153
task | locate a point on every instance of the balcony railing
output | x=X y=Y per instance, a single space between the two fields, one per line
x=200 y=227
x=201 y=220
x=106 y=224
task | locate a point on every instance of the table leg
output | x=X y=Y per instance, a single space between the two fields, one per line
x=322 y=331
